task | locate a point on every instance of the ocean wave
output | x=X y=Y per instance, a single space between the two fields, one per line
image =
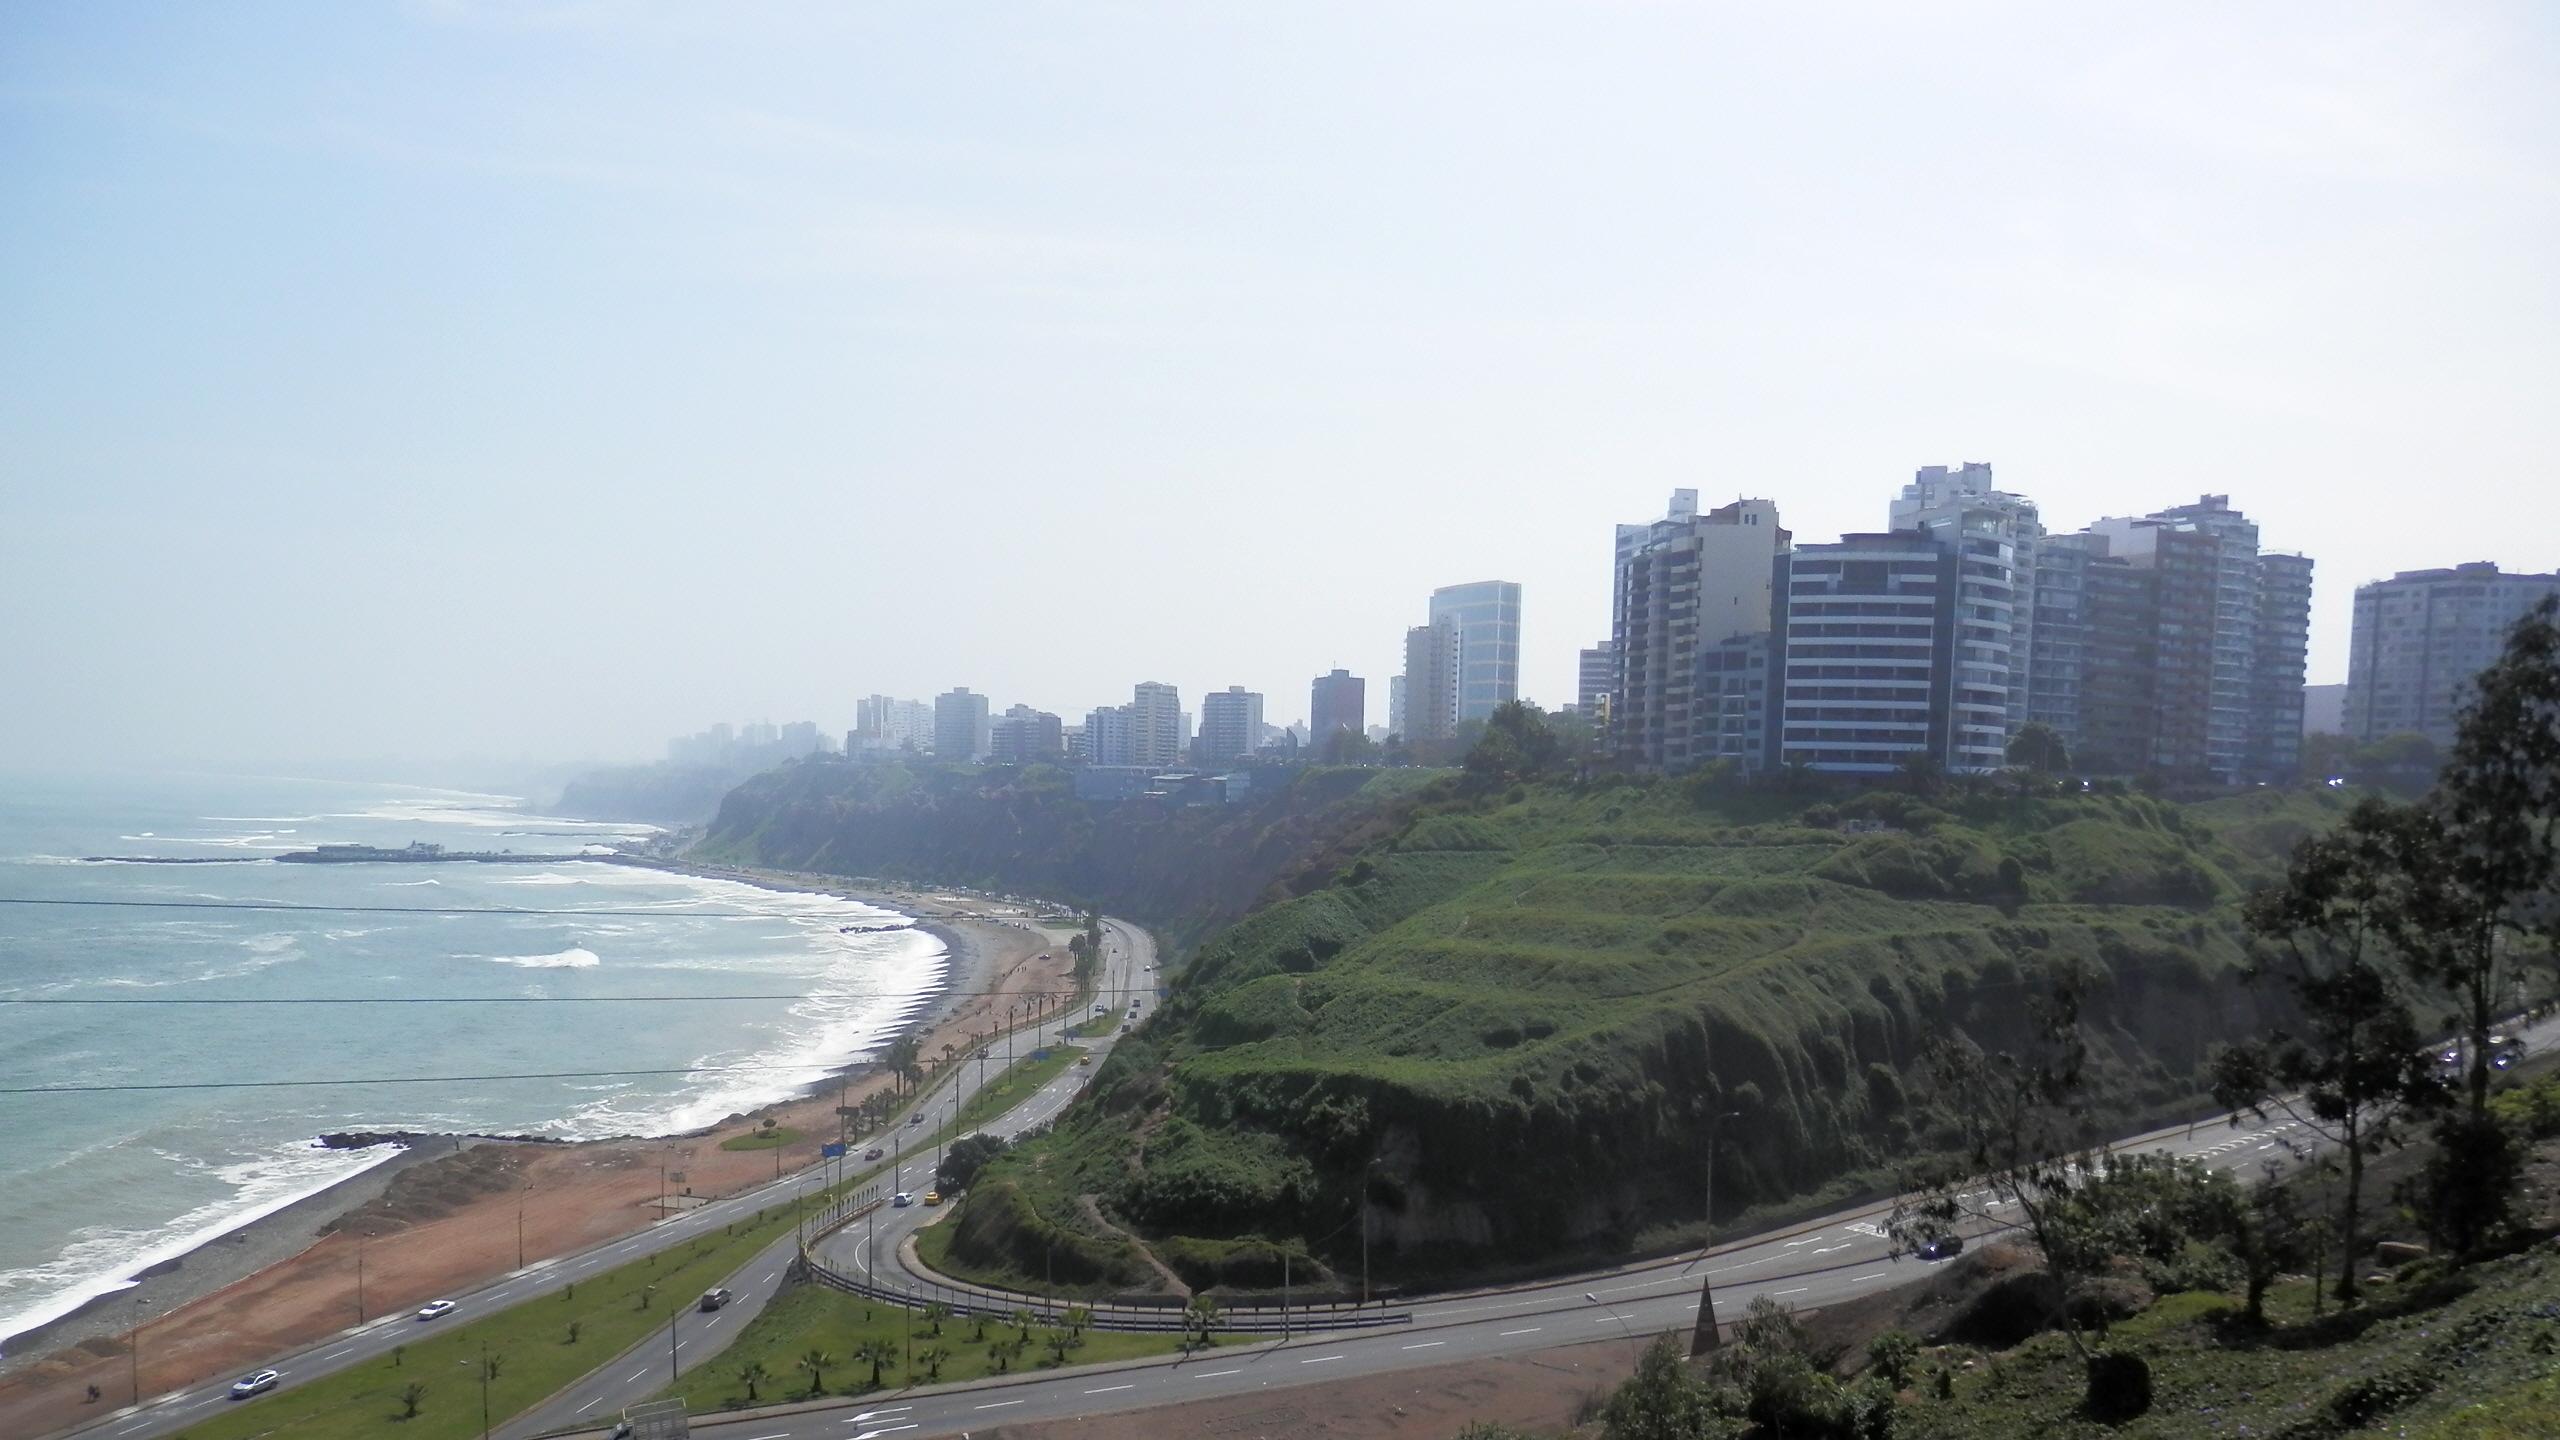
x=574 y=958
x=405 y=884
x=103 y=1260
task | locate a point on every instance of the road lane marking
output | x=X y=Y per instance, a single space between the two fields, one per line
x=1856 y=1279
x=1796 y=1291
x=1214 y=1374
x=998 y=1404
x=1107 y=1389
x=1507 y=1334
x=636 y=1374
x=590 y=1405
x=1320 y=1359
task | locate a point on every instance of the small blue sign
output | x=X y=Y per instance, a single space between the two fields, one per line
x=832 y=1152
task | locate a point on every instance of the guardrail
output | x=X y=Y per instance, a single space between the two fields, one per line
x=1171 y=1315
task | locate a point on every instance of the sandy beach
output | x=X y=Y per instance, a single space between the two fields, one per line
x=442 y=1215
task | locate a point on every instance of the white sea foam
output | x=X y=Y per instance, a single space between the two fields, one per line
x=102 y=1260
x=405 y=884
x=573 y=958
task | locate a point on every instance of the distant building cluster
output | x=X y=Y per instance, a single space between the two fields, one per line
x=2170 y=643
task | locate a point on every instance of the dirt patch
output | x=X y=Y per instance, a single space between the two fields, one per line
x=1545 y=1391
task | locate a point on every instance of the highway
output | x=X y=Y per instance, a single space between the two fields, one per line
x=696 y=1335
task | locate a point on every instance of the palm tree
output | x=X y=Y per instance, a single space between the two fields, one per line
x=816 y=1361
x=879 y=1354
x=1199 y=1318
x=410 y=1396
x=934 y=1315
x=1022 y=1321
x=1079 y=1318
x=931 y=1358
x=751 y=1375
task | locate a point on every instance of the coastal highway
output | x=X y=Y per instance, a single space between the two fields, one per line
x=1128 y=950
x=1840 y=1257
x=643 y=1371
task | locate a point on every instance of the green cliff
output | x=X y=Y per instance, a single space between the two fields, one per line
x=1519 y=1020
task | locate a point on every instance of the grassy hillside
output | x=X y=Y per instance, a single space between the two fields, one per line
x=1182 y=871
x=1521 y=1019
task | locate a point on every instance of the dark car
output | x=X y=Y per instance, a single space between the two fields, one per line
x=715 y=1297
x=1941 y=1247
x=874 y=1153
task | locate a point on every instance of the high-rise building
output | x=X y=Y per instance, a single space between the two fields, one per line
x=881 y=722
x=1728 y=702
x=2231 y=626
x=1433 y=658
x=2058 y=644
x=960 y=725
x=1487 y=616
x=1597 y=679
x=2421 y=638
x=1684 y=582
x=1865 y=661
x=801 y=737
x=1230 y=726
x=1024 y=736
x=1155 y=725
x=1109 y=738
x=1396 y=708
x=2002 y=532
x=1339 y=701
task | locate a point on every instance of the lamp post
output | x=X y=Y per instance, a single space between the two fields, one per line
x=1595 y=1299
x=361 y=1237
x=1715 y=1123
x=133 y=1350
x=520 y=1195
x=1364 y=1228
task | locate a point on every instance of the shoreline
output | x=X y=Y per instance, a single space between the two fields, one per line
x=288 y=1259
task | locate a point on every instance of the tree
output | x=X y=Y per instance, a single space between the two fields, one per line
x=2036 y=747
x=2023 y=1147
x=2358 y=1062
x=816 y=1361
x=1346 y=746
x=931 y=1358
x=934 y=1315
x=1516 y=746
x=2266 y=1230
x=967 y=1156
x=1199 y=1322
x=412 y=1395
x=1663 y=1401
x=902 y=1055
x=751 y=1375
x=877 y=1353
x=1892 y=1355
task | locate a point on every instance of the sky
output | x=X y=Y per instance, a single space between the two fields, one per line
x=542 y=380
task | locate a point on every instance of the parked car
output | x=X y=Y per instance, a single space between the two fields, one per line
x=436 y=1309
x=254 y=1384
x=1941 y=1247
x=715 y=1297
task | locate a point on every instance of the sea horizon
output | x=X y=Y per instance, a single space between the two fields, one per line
x=104 y=1184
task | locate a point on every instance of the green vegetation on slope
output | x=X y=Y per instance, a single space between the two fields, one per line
x=1182 y=871
x=1520 y=1020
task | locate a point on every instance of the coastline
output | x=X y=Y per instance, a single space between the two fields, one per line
x=284 y=1278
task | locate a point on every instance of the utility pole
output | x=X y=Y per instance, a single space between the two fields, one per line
x=484 y=1392
x=1364 y=1228
x=520 y=1194
x=1714 y=1124
x=675 y=1315
x=133 y=1352
x=1284 y=1297
x=361 y=1237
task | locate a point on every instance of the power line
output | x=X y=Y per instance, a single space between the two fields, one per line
x=527 y=999
x=264 y=905
x=394 y=1080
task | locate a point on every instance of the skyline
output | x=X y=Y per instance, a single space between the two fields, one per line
x=463 y=380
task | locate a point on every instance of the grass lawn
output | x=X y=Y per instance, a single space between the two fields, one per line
x=1013 y=1087
x=1096 y=1026
x=530 y=1341
x=763 y=1139
x=838 y=1325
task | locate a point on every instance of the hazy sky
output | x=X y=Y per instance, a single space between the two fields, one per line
x=542 y=380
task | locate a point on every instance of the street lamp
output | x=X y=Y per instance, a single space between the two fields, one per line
x=133 y=1350
x=520 y=1194
x=1714 y=1123
x=361 y=1237
x=1595 y=1299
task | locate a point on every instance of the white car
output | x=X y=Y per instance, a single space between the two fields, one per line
x=257 y=1384
x=436 y=1309
x=902 y=1200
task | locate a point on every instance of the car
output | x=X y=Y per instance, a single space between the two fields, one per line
x=1941 y=1247
x=436 y=1309
x=933 y=1197
x=1097 y=1009
x=914 y=1120
x=1124 y=1029
x=255 y=1384
x=1084 y=1060
x=874 y=1153
x=901 y=1200
x=715 y=1297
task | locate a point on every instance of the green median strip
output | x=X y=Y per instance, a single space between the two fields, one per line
x=543 y=1344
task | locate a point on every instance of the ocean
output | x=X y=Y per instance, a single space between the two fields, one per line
x=95 y=1186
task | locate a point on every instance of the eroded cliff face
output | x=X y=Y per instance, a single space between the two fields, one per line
x=1180 y=870
x=1515 y=1028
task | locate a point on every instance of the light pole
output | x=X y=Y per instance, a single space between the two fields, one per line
x=520 y=1194
x=361 y=1237
x=1364 y=1228
x=1714 y=1124
x=1613 y=1313
x=675 y=1315
x=133 y=1351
